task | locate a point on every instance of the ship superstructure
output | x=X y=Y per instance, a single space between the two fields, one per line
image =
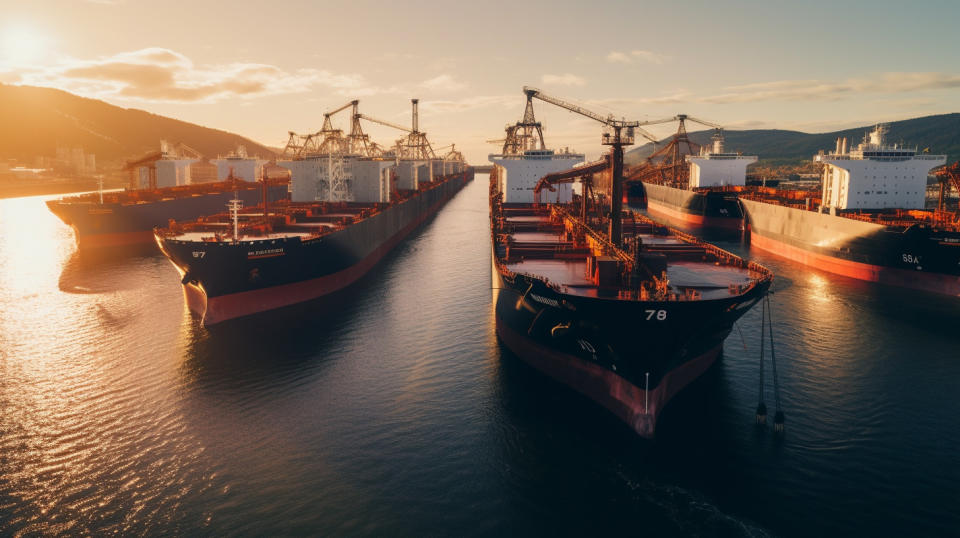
x=525 y=159
x=240 y=165
x=714 y=167
x=875 y=174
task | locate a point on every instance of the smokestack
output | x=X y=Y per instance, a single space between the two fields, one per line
x=843 y=148
x=837 y=151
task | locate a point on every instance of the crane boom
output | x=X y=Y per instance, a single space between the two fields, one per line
x=701 y=122
x=383 y=122
x=327 y=125
x=606 y=120
x=340 y=109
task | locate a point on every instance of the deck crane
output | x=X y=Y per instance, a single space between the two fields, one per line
x=330 y=140
x=947 y=175
x=399 y=145
x=452 y=156
x=717 y=137
x=415 y=146
x=418 y=147
x=617 y=134
x=297 y=145
x=327 y=140
x=668 y=165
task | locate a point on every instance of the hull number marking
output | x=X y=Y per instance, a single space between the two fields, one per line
x=659 y=315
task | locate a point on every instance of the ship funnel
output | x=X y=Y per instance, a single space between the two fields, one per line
x=844 y=147
x=717 y=142
x=839 y=142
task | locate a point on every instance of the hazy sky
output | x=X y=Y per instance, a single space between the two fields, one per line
x=261 y=69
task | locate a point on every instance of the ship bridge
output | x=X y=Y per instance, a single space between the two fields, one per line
x=875 y=175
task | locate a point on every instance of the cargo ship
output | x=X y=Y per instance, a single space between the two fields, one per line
x=869 y=221
x=160 y=189
x=619 y=308
x=687 y=184
x=347 y=211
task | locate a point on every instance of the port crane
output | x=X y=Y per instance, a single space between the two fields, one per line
x=668 y=164
x=947 y=176
x=415 y=146
x=616 y=133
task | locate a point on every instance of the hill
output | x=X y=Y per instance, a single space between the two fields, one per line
x=940 y=133
x=37 y=120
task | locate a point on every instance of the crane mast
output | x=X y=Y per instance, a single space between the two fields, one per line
x=617 y=134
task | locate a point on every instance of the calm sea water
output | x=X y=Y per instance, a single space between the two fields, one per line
x=396 y=412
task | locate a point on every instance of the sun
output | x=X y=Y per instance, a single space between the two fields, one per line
x=22 y=45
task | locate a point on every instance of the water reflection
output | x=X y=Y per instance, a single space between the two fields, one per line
x=397 y=412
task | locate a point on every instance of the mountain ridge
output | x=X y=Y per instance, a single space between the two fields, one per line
x=939 y=132
x=36 y=120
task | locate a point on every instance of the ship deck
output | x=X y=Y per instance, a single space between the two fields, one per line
x=540 y=246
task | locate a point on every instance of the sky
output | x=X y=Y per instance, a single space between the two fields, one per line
x=261 y=69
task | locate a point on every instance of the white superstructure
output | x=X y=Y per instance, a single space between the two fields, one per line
x=519 y=173
x=716 y=168
x=340 y=178
x=168 y=168
x=875 y=175
x=244 y=167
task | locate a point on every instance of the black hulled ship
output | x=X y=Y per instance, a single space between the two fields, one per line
x=869 y=220
x=689 y=184
x=160 y=189
x=619 y=308
x=274 y=255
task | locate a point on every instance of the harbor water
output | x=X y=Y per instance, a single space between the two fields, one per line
x=394 y=410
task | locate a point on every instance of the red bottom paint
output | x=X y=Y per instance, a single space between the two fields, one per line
x=691 y=219
x=933 y=282
x=221 y=308
x=622 y=398
x=108 y=240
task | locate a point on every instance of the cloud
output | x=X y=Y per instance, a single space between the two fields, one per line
x=472 y=103
x=163 y=75
x=618 y=57
x=443 y=83
x=566 y=79
x=807 y=90
x=816 y=90
x=644 y=56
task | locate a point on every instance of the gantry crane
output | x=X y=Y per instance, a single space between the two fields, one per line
x=617 y=134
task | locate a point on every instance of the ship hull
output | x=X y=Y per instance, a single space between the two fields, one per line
x=112 y=225
x=699 y=209
x=614 y=352
x=918 y=258
x=223 y=280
